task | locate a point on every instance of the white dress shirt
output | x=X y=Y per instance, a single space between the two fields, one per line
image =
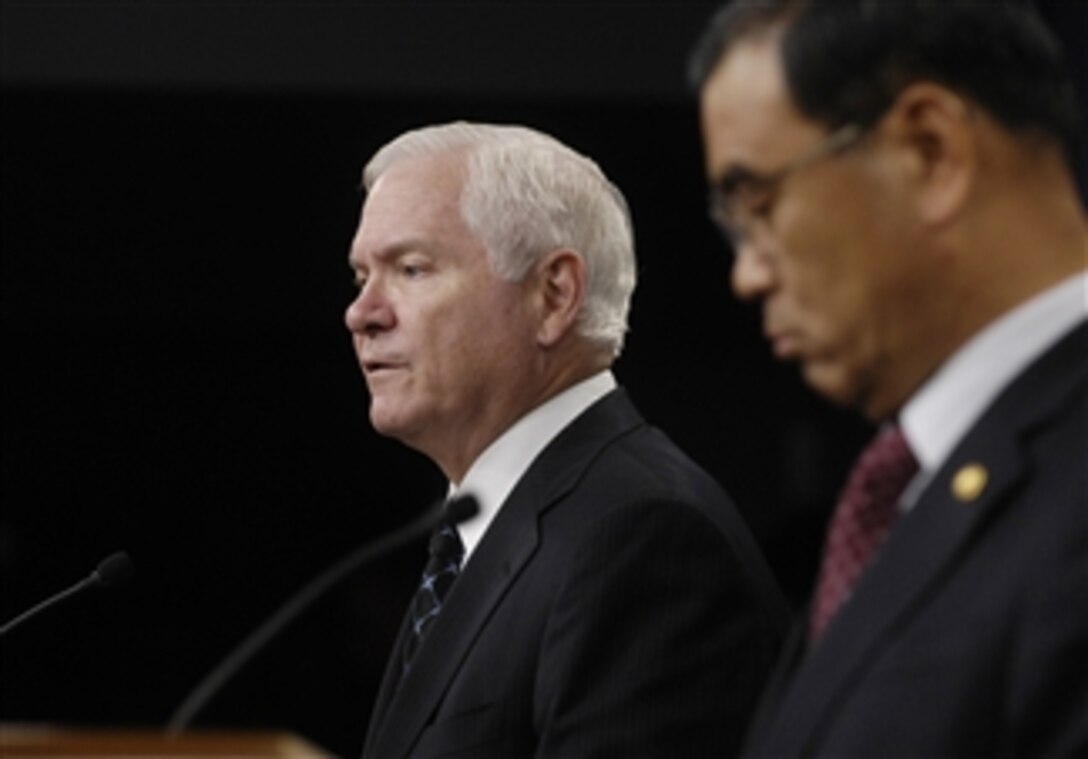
x=938 y=416
x=497 y=470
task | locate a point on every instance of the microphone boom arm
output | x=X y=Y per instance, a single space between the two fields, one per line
x=459 y=510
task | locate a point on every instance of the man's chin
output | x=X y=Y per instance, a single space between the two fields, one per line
x=830 y=382
x=872 y=400
x=385 y=422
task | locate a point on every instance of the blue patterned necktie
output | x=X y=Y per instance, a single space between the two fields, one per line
x=442 y=569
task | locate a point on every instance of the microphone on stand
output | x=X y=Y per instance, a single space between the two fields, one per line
x=115 y=570
x=458 y=510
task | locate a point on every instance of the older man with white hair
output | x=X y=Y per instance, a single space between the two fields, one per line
x=608 y=599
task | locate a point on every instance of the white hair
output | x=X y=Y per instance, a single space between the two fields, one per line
x=527 y=194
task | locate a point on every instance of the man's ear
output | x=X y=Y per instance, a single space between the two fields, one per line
x=560 y=279
x=937 y=133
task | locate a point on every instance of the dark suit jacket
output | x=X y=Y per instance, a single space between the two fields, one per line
x=616 y=606
x=968 y=636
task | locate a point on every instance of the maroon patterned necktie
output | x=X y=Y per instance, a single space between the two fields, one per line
x=867 y=508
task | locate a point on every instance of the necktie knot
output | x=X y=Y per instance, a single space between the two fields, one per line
x=884 y=468
x=446 y=545
x=867 y=508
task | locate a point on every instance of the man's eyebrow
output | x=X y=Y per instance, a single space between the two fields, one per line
x=733 y=178
x=395 y=250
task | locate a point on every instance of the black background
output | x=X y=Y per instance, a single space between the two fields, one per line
x=180 y=185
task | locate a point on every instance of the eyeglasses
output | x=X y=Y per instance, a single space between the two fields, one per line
x=742 y=199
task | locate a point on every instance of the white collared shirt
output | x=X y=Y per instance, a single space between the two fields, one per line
x=497 y=470
x=937 y=417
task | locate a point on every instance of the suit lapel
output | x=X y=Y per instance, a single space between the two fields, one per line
x=477 y=591
x=923 y=545
x=507 y=546
x=388 y=687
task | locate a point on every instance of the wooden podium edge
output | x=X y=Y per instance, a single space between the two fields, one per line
x=53 y=741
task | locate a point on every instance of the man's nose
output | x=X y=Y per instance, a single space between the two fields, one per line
x=753 y=274
x=370 y=311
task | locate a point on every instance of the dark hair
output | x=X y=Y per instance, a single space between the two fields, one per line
x=847 y=60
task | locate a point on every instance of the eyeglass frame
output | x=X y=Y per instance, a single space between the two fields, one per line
x=735 y=219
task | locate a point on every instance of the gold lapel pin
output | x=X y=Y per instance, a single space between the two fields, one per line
x=969 y=482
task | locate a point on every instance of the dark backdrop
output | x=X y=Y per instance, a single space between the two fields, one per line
x=179 y=191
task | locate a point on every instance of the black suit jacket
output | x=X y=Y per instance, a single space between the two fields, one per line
x=968 y=637
x=616 y=606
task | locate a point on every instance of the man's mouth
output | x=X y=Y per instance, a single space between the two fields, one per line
x=784 y=345
x=379 y=367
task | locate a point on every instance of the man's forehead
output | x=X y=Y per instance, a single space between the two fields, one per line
x=413 y=190
x=746 y=110
x=413 y=200
x=751 y=67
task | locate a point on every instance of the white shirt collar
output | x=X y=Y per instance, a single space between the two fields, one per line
x=497 y=470
x=937 y=417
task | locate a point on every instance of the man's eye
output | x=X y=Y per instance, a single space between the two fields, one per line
x=412 y=270
x=759 y=202
x=360 y=280
x=762 y=209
